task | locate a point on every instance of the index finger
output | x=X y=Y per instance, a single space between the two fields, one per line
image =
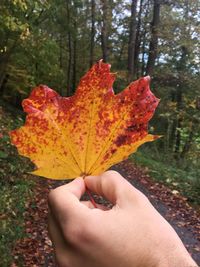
x=64 y=201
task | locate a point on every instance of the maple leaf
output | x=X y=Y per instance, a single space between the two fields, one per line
x=86 y=133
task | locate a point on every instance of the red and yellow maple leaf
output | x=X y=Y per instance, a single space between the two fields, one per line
x=88 y=132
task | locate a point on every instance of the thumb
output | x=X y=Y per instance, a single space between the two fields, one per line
x=111 y=185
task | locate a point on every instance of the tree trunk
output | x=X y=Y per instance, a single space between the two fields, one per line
x=69 y=64
x=172 y=134
x=121 y=52
x=179 y=121
x=69 y=39
x=2 y=79
x=143 y=52
x=179 y=97
x=189 y=141
x=74 y=64
x=92 y=32
x=3 y=83
x=132 y=38
x=154 y=38
x=138 y=39
x=178 y=138
x=61 y=54
x=4 y=60
x=104 y=30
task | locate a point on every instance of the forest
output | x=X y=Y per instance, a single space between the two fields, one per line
x=55 y=42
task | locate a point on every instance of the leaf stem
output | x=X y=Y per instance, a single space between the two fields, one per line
x=91 y=198
x=90 y=195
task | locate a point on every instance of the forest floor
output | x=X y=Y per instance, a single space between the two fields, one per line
x=35 y=249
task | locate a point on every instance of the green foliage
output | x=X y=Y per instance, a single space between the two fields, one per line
x=15 y=188
x=28 y=54
x=183 y=177
x=12 y=206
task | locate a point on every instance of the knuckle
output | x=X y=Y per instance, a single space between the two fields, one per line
x=51 y=197
x=111 y=173
x=54 y=196
x=109 y=176
x=74 y=233
x=143 y=198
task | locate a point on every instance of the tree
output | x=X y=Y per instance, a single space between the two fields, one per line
x=105 y=29
x=138 y=40
x=92 y=32
x=153 y=46
x=132 y=43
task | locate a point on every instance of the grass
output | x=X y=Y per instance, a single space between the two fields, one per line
x=164 y=168
x=15 y=187
x=12 y=207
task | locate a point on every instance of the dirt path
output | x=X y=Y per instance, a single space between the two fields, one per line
x=36 y=249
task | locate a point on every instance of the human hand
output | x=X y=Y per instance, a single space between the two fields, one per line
x=131 y=234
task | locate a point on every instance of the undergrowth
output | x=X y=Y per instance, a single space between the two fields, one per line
x=15 y=188
x=182 y=177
